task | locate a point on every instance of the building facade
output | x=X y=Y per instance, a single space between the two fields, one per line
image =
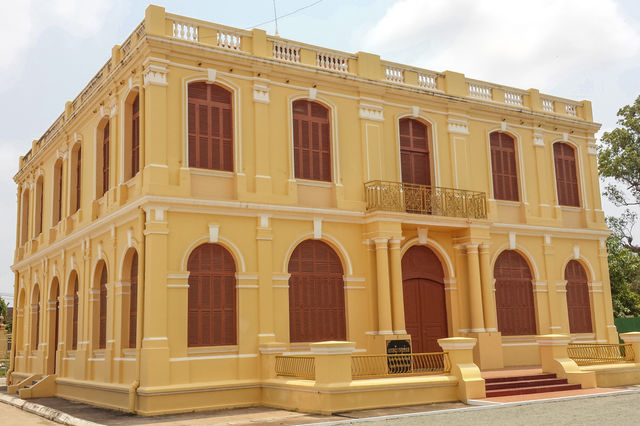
x=216 y=195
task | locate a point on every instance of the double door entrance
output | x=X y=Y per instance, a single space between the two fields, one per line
x=424 y=299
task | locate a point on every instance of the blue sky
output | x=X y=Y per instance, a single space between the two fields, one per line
x=579 y=49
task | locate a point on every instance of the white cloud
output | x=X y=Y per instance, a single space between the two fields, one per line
x=528 y=44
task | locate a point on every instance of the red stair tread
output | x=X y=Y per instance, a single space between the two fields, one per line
x=525 y=383
x=534 y=389
x=520 y=378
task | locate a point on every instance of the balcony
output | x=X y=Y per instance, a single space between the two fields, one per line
x=423 y=199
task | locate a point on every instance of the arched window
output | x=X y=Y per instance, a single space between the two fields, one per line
x=578 y=304
x=39 y=199
x=514 y=295
x=24 y=222
x=54 y=321
x=102 y=159
x=35 y=318
x=212 y=297
x=311 y=141
x=57 y=192
x=316 y=294
x=210 y=127
x=102 y=310
x=133 y=301
x=503 y=167
x=414 y=152
x=73 y=293
x=566 y=174
x=135 y=136
x=76 y=178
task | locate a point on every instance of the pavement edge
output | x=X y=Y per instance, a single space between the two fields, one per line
x=45 y=412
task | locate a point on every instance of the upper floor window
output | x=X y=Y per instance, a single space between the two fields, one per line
x=311 y=141
x=57 y=192
x=503 y=167
x=566 y=174
x=39 y=199
x=102 y=160
x=414 y=152
x=24 y=222
x=76 y=178
x=210 y=127
x=131 y=145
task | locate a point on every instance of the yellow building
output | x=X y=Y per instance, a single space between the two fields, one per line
x=216 y=197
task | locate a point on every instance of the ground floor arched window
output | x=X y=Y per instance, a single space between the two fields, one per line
x=578 y=303
x=514 y=295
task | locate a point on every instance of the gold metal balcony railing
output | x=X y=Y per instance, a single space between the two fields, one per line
x=364 y=366
x=596 y=354
x=302 y=367
x=423 y=199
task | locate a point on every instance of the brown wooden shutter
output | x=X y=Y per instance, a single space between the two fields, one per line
x=36 y=342
x=578 y=303
x=105 y=159
x=210 y=127
x=316 y=294
x=566 y=175
x=514 y=295
x=78 y=179
x=135 y=137
x=74 y=340
x=414 y=152
x=503 y=167
x=59 y=199
x=102 y=343
x=311 y=141
x=212 y=297
x=39 y=206
x=55 y=329
x=133 y=304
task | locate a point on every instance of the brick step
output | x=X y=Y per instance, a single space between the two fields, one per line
x=533 y=389
x=525 y=383
x=521 y=378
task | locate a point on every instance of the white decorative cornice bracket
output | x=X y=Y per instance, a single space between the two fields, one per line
x=538 y=139
x=371 y=112
x=460 y=127
x=155 y=75
x=261 y=93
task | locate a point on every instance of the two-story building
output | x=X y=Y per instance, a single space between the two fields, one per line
x=216 y=195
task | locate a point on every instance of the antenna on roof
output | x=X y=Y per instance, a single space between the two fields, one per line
x=275 y=15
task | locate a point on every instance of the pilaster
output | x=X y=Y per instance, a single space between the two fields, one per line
x=384 y=295
x=266 y=307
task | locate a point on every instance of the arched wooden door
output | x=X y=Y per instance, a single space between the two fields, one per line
x=316 y=294
x=425 y=308
x=578 y=303
x=414 y=152
x=514 y=295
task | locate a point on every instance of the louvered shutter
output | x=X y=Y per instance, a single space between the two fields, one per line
x=578 y=303
x=566 y=175
x=503 y=166
x=74 y=340
x=102 y=344
x=37 y=325
x=78 y=178
x=414 y=152
x=135 y=137
x=316 y=294
x=56 y=324
x=212 y=297
x=133 y=305
x=514 y=295
x=311 y=141
x=105 y=159
x=210 y=127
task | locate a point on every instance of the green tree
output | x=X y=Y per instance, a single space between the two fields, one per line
x=624 y=274
x=8 y=322
x=619 y=160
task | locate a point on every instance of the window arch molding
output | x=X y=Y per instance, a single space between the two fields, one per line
x=236 y=106
x=236 y=254
x=333 y=126
x=577 y=151
x=586 y=264
x=330 y=240
x=517 y=143
x=432 y=126
x=528 y=257
x=125 y=138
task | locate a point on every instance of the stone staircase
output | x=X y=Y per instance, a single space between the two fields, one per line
x=527 y=384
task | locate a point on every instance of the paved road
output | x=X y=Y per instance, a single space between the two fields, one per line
x=603 y=410
x=12 y=416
